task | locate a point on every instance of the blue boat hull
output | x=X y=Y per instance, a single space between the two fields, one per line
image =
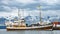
x=2 y=27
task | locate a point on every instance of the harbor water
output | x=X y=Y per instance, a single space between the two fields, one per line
x=4 y=31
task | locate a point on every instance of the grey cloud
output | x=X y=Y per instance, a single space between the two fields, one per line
x=5 y=8
x=32 y=6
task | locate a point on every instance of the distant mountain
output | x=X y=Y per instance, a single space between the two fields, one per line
x=35 y=19
x=31 y=19
x=54 y=19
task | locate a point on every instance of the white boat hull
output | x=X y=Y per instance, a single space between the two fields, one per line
x=30 y=28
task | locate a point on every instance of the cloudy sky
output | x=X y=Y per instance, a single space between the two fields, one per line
x=29 y=7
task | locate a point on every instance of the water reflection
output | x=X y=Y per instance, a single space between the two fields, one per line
x=3 y=31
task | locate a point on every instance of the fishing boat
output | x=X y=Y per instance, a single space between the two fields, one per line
x=16 y=26
x=21 y=25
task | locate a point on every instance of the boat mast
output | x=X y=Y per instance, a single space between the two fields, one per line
x=39 y=8
x=19 y=15
x=40 y=16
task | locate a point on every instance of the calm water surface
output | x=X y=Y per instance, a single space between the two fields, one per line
x=4 y=31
